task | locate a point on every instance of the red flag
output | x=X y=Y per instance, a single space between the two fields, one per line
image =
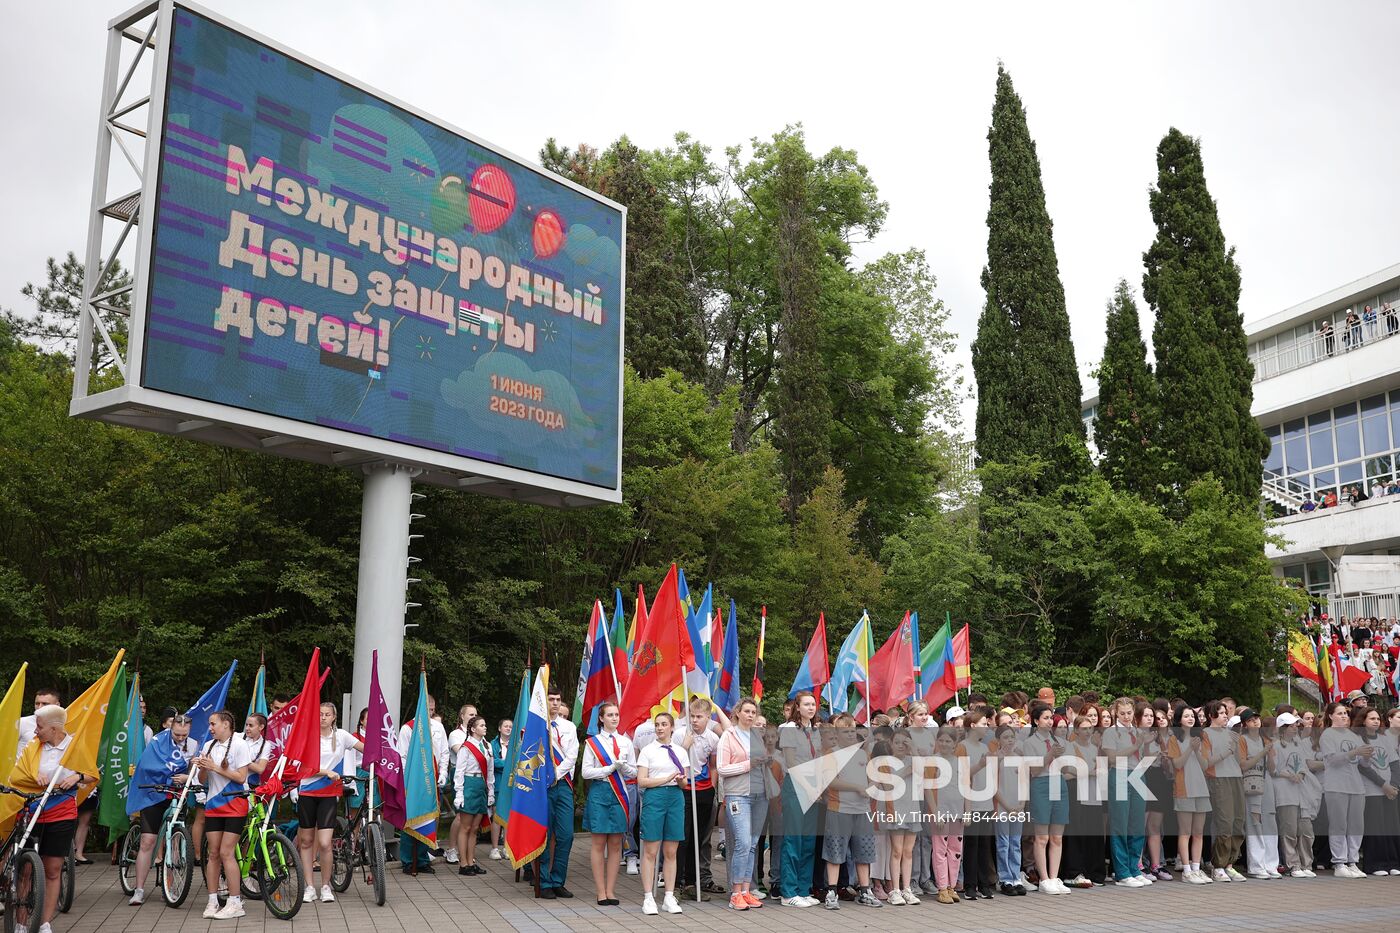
x=300 y=745
x=663 y=645
x=892 y=669
x=962 y=659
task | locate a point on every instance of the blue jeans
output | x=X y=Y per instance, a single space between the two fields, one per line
x=1127 y=816
x=746 y=815
x=1008 y=852
x=554 y=871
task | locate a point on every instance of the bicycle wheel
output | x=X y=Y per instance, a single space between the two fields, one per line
x=128 y=849
x=68 y=880
x=342 y=862
x=374 y=861
x=24 y=892
x=177 y=874
x=280 y=877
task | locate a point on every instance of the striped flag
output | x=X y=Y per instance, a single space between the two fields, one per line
x=758 y=658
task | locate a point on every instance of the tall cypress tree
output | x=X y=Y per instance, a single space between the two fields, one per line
x=1024 y=366
x=1126 y=424
x=803 y=427
x=1204 y=376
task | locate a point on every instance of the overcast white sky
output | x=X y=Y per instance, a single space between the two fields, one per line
x=1295 y=102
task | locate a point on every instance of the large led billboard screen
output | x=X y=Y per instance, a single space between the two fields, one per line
x=324 y=255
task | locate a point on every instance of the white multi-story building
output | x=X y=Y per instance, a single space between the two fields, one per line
x=1330 y=405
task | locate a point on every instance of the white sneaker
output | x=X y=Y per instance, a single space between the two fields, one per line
x=670 y=904
x=496 y=854
x=138 y=897
x=232 y=910
x=649 y=905
x=1197 y=877
x=1380 y=874
x=1025 y=883
x=632 y=867
x=1220 y=875
x=327 y=895
x=1395 y=871
x=1275 y=873
x=1234 y=873
x=1148 y=877
x=910 y=897
x=450 y=856
x=1129 y=882
x=896 y=898
x=795 y=902
x=211 y=908
x=309 y=895
x=1260 y=875
x=1355 y=870
x=1048 y=887
x=45 y=928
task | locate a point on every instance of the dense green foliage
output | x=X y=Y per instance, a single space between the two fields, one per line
x=1203 y=367
x=1126 y=424
x=1023 y=357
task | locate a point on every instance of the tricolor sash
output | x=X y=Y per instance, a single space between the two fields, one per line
x=322 y=783
x=557 y=756
x=619 y=787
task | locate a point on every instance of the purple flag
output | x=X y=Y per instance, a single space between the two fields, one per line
x=380 y=751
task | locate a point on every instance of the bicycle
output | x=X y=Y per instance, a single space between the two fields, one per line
x=359 y=841
x=268 y=863
x=173 y=845
x=68 y=881
x=22 y=878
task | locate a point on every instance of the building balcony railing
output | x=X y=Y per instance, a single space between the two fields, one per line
x=1319 y=347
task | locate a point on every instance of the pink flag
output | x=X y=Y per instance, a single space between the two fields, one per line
x=380 y=751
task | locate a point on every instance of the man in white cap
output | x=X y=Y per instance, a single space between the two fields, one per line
x=954 y=716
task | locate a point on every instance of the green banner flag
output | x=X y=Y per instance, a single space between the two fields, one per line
x=113 y=760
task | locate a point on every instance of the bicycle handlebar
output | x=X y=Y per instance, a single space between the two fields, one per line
x=6 y=789
x=172 y=788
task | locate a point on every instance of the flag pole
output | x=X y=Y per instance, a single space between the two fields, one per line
x=612 y=668
x=694 y=810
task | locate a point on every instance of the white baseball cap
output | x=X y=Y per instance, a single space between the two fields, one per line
x=954 y=712
x=1234 y=721
x=1287 y=719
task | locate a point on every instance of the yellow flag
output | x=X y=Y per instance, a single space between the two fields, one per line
x=86 y=714
x=11 y=708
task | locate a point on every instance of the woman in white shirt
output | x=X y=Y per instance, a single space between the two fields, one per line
x=224 y=764
x=609 y=765
x=317 y=799
x=660 y=772
x=1261 y=826
x=456 y=841
x=1190 y=794
x=473 y=791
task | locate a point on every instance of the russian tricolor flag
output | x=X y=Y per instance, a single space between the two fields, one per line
x=813 y=673
x=527 y=828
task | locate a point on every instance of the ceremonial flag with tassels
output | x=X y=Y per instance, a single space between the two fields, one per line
x=294 y=733
x=116 y=761
x=258 y=704
x=758 y=657
x=527 y=828
x=727 y=682
x=512 y=756
x=813 y=673
x=420 y=774
x=214 y=699
x=381 y=736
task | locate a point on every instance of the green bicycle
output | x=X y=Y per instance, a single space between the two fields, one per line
x=268 y=862
x=174 y=854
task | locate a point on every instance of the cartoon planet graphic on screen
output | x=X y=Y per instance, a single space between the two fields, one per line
x=548 y=233
x=492 y=198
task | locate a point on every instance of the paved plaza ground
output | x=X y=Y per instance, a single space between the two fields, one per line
x=445 y=902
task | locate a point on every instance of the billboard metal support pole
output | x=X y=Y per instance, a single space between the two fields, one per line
x=379 y=602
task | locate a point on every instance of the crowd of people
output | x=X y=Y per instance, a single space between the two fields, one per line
x=994 y=799
x=1371 y=644
x=1360 y=327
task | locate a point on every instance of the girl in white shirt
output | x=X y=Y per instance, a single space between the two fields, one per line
x=609 y=765
x=473 y=791
x=661 y=770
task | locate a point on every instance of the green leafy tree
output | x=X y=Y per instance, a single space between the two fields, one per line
x=1204 y=376
x=1127 y=421
x=1023 y=357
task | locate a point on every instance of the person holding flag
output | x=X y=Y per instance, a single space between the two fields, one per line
x=660 y=772
x=40 y=768
x=318 y=798
x=563 y=751
x=224 y=762
x=609 y=765
x=164 y=761
x=214 y=699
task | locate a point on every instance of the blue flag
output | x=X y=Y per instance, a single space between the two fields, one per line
x=726 y=681
x=527 y=828
x=135 y=726
x=159 y=763
x=259 y=702
x=420 y=775
x=214 y=699
x=506 y=785
x=918 y=671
